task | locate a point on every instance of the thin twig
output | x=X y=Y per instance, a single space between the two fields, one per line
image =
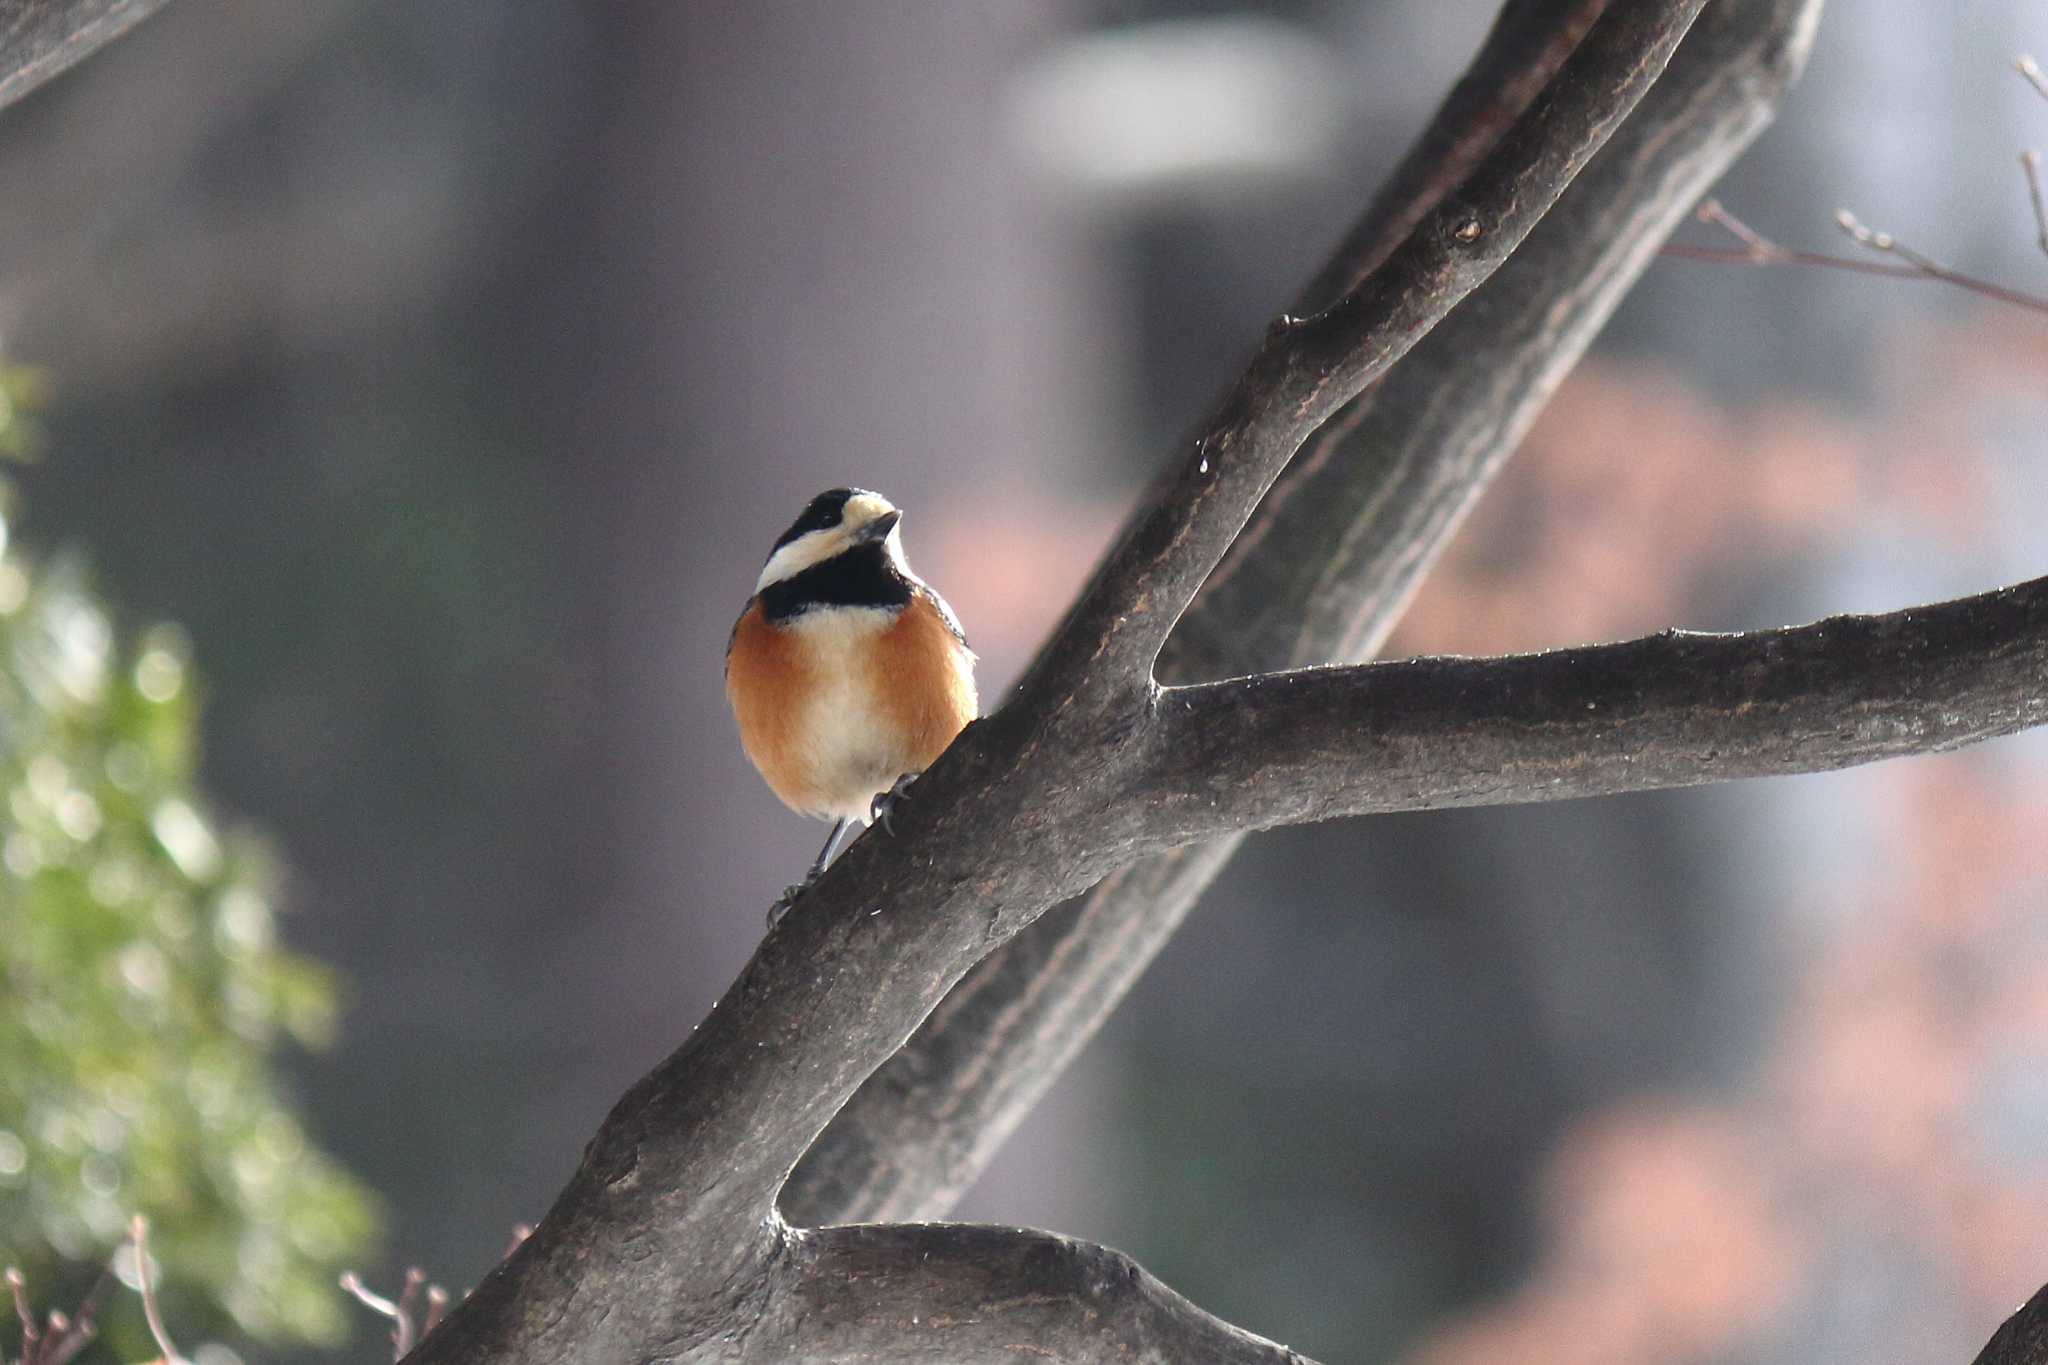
x=352 y=1285
x=437 y=1305
x=138 y=1235
x=68 y=1339
x=400 y=1313
x=18 y=1287
x=1874 y=240
x=62 y=1335
x=2030 y=166
x=401 y=1331
x=2031 y=70
x=1759 y=250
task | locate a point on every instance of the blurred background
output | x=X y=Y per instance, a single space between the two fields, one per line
x=444 y=372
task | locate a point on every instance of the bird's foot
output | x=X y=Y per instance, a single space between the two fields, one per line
x=884 y=805
x=787 y=899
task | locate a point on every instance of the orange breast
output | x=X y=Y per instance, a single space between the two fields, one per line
x=926 y=680
x=766 y=682
x=834 y=707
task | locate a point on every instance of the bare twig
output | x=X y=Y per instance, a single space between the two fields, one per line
x=1891 y=246
x=31 y=1337
x=138 y=1237
x=68 y=1338
x=2030 y=166
x=1758 y=250
x=400 y=1312
x=2031 y=71
x=352 y=1285
x=61 y=1336
x=437 y=1306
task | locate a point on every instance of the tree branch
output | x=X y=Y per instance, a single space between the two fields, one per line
x=955 y=1294
x=1669 y=710
x=40 y=38
x=1326 y=565
x=2021 y=1339
x=1310 y=367
x=677 y=1189
x=1528 y=42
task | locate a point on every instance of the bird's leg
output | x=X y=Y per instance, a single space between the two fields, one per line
x=824 y=859
x=884 y=804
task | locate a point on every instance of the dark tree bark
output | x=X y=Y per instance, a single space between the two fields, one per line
x=2021 y=1339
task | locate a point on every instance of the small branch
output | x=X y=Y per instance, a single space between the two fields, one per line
x=1670 y=710
x=31 y=1336
x=1889 y=245
x=138 y=1236
x=401 y=1313
x=39 y=38
x=966 y=1294
x=2030 y=70
x=2021 y=1339
x=437 y=1307
x=2030 y=166
x=1758 y=250
x=61 y=1336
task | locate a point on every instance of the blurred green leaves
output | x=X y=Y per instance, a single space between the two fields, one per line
x=142 y=991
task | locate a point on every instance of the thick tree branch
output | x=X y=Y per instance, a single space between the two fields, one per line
x=1528 y=42
x=1327 y=563
x=39 y=38
x=1310 y=367
x=954 y=1294
x=2021 y=1339
x=667 y=1231
x=1670 y=710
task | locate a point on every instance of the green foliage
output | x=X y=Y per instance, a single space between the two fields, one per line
x=141 y=989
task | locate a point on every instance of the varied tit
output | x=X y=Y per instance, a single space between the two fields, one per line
x=847 y=673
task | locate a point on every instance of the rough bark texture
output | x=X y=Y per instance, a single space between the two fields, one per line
x=943 y=1293
x=2021 y=1339
x=1674 y=709
x=1332 y=555
x=39 y=38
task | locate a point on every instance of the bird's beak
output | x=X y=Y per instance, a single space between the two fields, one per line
x=879 y=528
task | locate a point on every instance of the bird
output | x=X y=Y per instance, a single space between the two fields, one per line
x=847 y=673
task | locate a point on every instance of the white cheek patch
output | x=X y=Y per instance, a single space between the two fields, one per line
x=813 y=547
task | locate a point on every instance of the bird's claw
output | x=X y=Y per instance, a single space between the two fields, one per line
x=787 y=899
x=882 y=808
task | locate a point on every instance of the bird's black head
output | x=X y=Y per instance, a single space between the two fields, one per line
x=842 y=550
x=821 y=513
